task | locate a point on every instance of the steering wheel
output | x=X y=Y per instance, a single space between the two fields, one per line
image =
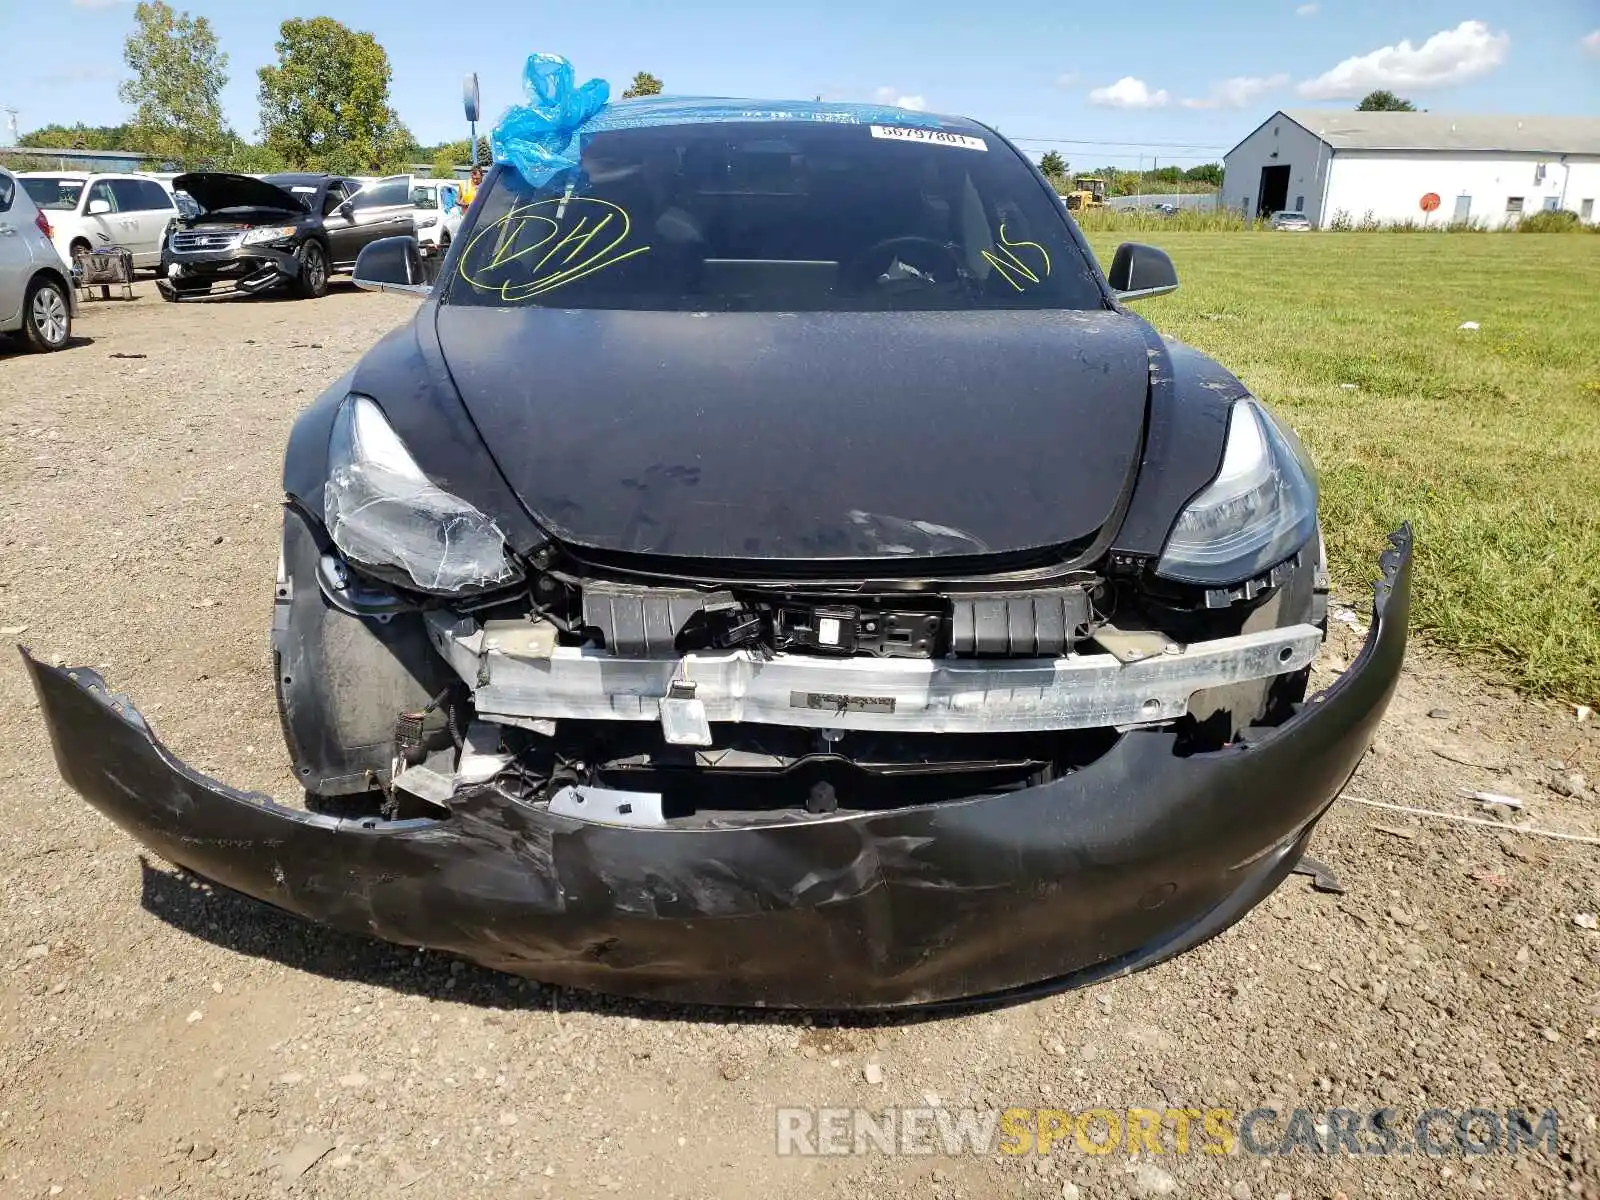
x=862 y=268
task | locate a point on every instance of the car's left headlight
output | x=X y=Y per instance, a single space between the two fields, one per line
x=427 y=222
x=1260 y=508
x=276 y=233
x=383 y=512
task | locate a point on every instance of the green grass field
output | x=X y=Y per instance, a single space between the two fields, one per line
x=1488 y=441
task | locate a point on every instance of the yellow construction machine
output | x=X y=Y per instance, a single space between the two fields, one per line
x=1088 y=191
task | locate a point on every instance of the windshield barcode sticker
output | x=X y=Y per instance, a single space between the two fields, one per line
x=933 y=137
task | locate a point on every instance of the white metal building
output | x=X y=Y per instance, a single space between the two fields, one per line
x=1379 y=165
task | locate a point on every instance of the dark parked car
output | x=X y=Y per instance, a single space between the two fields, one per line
x=776 y=567
x=279 y=232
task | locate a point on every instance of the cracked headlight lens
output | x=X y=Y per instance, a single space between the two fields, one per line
x=1260 y=508
x=384 y=513
x=276 y=233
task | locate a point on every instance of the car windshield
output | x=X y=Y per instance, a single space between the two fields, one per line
x=778 y=216
x=54 y=193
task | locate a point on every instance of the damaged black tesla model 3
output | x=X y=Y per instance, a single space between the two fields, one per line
x=775 y=567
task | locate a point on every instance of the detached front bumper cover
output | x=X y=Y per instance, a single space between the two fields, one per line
x=1133 y=859
x=248 y=268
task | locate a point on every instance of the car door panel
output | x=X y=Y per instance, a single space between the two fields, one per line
x=16 y=256
x=131 y=202
x=341 y=231
x=384 y=209
x=130 y=214
x=103 y=229
x=154 y=216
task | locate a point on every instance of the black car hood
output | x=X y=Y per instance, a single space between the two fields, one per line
x=219 y=189
x=806 y=436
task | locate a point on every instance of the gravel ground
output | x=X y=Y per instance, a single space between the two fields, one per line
x=159 y=1039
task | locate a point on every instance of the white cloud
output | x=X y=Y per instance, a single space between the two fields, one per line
x=889 y=95
x=1592 y=42
x=1450 y=56
x=1307 y=10
x=1238 y=92
x=1128 y=92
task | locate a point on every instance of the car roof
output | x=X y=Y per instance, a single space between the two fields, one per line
x=86 y=175
x=690 y=110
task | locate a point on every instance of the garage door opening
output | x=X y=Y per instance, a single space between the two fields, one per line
x=1274 y=194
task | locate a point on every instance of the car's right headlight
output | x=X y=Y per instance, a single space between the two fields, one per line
x=275 y=233
x=1260 y=508
x=384 y=513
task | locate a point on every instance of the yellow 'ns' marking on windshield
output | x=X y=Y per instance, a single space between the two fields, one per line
x=1012 y=269
x=524 y=232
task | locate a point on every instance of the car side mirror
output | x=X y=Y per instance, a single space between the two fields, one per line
x=347 y=210
x=1139 y=271
x=99 y=207
x=392 y=264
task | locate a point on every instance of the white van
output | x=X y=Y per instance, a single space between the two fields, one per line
x=92 y=211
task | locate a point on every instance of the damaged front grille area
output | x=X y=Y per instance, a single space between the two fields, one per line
x=646 y=702
x=650 y=622
x=189 y=241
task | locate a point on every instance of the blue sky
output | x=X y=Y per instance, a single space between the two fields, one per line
x=1181 y=80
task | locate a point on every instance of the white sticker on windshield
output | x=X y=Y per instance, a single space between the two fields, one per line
x=934 y=137
x=306 y=190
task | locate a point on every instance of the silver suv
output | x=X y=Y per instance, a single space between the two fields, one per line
x=37 y=303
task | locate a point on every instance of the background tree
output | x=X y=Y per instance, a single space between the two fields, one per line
x=458 y=153
x=247 y=158
x=444 y=164
x=176 y=89
x=1206 y=173
x=644 y=84
x=1384 y=100
x=77 y=137
x=325 y=104
x=1054 y=167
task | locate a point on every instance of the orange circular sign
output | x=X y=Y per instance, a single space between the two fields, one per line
x=1430 y=202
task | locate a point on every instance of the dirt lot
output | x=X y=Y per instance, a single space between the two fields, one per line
x=157 y=1039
